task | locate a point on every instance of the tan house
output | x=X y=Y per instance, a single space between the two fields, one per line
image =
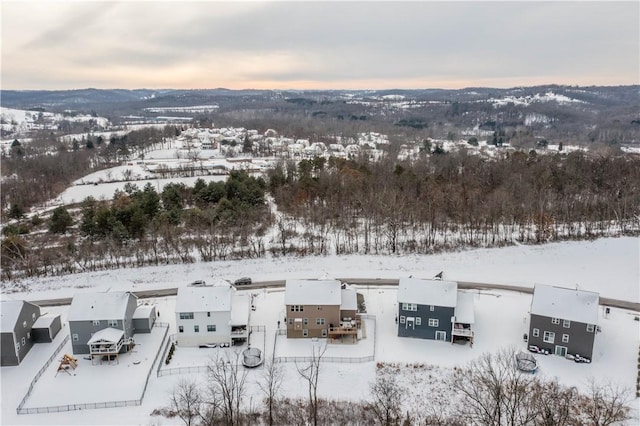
x=319 y=308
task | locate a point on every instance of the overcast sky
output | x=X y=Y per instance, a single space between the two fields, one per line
x=317 y=45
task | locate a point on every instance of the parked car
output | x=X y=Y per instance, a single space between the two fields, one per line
x=242 y=281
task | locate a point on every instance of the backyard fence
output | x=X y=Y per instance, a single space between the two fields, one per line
x=88 y=405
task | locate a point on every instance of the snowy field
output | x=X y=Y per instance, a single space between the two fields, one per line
x=607 y=265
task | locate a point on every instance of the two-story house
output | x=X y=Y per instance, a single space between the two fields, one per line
x=91 y=313
x=320 y=308
x=211 y=315
x=17 y=318
x=563 y=321
x=434 y=309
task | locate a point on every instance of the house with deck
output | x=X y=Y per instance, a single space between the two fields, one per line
x=434 y=309
x=563 y=321
x=101 y=323
x=320 y=308
x=17 y=318
x=208 y=315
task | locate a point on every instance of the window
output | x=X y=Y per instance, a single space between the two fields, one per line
x=305 y=332
x=186 y=315
x=418 y=321
x=565 y=338
x=319 y=321
x=96 y=322
x=432 y=308
x=24 y=324
x=297 y=308
x=566 y=323
x=18 y=346
x=324 y=332
x=33 y=316
x=290 y=321
x=319 y=307
x=196 y=329
x=211 y=328
x=409 y=307
x=305 y=321
x=74 y=337
x=536 y=332
x=555 y=321
x=24 y=341
x=28 y=335
x=549 y=337
x=434 y=322
x=180 y=329
x=590 y=328
x=402 y=319
x=113 y=323
x=208 y=314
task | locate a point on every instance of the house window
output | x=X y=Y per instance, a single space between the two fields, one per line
x=409 y=307
x=95 y=322
x=566 y=323
x=297 y=308
x=536 y=332
x=180 y=329
x=196 y=329
x=434 y=322
x=33 y=316
x=29 y=336
x=549 y=337
x=208 y=314
x=113 y=323
x=305 y=321
x=18 y=346
x=565 y=338
x=211 y=328
x=319 y=321
x=305 y=332
x=24 y=324
x=555 y=320
x=74 y=337
x=590 y=328
x=290 y=321
x=402 y=320
x=319 y=307
x=186 y=315
x=418 y=321
x=24 y=341
x=324 y=332
x=432 y=308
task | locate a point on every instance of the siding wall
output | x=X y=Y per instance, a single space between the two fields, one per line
x=8 y=351
x=424 y=331
x=330 y=313
x=580 y=340
x=190 y=338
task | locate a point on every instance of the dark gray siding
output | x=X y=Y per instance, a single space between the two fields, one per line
x=84 y=330
x=580 y=340
x=423 y=331
x=144 y=325
x=8 y=350
x=47 y=334
x=22 y=331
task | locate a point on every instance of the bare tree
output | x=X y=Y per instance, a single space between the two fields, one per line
x=185 y=401
x=228 y=379
x=387 y=396
x=605 y=404
x=270 y=385
x=310 y=373
x=553 y=403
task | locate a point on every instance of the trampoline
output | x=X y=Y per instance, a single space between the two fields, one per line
x=252 y=357
x=526 y=362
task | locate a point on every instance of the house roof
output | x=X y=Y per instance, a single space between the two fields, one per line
x=427 y=292
x=45 y=321
x=99 y=306
x=565 y=303
x=240 y=309
x=9 y=314
x=465 y=312
x=349 y=300
x=312 y=292
x=144 y=311
x=204 y=299
x=108 y=334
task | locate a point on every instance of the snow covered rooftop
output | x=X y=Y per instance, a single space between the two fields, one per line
x=204 y=299
x=9 y=313
x=427 y=292
x=108 y=334
x=45 y=321
x=564 y=303
x=465 y=312
x=310 y=292
x=143 y=311
x=99 y=306
x=349 y=300
x=240 y=309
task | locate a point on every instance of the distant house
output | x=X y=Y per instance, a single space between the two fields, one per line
x=91 y=313
x=563 y=321
x=17 y=318
x=143 y=318
x=211 y=315
x=320 y=308
x=434 y=309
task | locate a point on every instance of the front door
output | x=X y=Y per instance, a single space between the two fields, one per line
x=561 y=350
x=441 y=335
x=410 y=324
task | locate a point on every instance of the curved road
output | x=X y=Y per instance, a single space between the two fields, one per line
x=466 y=285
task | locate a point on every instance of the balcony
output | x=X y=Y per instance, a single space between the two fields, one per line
x=462 y=330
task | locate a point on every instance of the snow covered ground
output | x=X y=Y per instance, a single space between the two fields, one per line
x=610 y=266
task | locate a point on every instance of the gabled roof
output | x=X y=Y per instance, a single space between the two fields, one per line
x=204 y=299
x=349 y=300
x=9 y=314
x=108 y=334
x=428 y=292
x=99 y=306
x=313 y=292
x=565 y=303
x=465 y=312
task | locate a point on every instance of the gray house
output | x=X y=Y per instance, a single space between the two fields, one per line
x=93 y=312
x=426 y=308
x=563 y=321
x=16 y=319
x=143 y=318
